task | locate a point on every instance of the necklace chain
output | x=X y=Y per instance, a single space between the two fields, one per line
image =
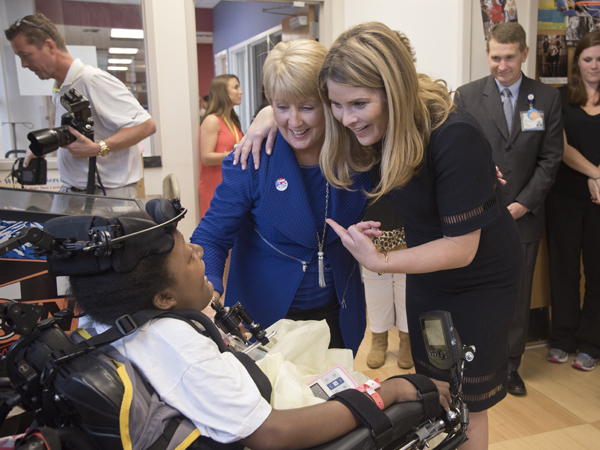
x=319 y=240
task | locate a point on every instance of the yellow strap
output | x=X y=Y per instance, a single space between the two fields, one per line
x=83 y=333
x=232 y=129
x=188 y=440
x=125 y=406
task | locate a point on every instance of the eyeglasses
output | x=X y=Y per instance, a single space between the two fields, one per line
x=20 y=22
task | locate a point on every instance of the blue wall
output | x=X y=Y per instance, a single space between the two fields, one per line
x=234 y=22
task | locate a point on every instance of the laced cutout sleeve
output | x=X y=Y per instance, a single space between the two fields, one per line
x=464 y=217
x=465 y=177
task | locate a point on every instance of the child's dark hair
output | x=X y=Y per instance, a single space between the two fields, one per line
x=109 y=295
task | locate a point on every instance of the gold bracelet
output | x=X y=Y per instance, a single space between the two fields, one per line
x=386 y=260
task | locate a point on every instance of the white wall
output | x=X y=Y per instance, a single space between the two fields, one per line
x=173 y=72
x=446 y=34
x=435 y=29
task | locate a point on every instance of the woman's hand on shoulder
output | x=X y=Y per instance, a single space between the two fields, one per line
x=262 y=127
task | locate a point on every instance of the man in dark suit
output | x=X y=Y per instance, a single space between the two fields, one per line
x=508 y=105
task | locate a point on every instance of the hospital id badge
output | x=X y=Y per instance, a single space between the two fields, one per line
x=532 y=120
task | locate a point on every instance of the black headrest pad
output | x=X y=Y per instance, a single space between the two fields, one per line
x=123 y=259
x=162 y=210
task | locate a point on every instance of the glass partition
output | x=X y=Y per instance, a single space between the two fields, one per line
x=38 y=206
x=108 y=35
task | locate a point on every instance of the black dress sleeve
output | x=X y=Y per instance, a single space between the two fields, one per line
x=465 y=178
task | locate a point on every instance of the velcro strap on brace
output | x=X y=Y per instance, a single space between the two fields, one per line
x=427 y=391
x=368 y=413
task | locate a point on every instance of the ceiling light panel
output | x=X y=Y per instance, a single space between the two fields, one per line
x=123 y=51
x=124 y=33
x=119 y=61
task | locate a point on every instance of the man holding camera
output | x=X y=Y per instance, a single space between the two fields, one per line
x=120 y=122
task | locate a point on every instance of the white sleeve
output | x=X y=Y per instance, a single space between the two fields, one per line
x=212 y=389
x=114 y=106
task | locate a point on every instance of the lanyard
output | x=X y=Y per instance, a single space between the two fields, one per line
x=232 y=129
x=72 y=78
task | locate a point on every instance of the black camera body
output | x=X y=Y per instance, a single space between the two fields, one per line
x=35 y=173
x=78 y=116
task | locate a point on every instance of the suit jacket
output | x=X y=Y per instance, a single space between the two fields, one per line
x=271 y=231
x=529 y=160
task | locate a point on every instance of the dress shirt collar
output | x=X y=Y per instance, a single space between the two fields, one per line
x=513 y=88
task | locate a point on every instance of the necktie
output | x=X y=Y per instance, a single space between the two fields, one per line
x=508 y=107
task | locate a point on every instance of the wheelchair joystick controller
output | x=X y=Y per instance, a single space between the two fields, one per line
x=229 y=318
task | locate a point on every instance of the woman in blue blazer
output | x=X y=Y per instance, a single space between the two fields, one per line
x=285 y=261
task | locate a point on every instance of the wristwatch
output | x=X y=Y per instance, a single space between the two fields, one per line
x=104 y=150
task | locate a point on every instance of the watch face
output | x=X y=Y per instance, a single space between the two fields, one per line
x=104 y=150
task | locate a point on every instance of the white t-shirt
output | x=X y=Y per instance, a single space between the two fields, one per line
x=511 y=9
x=210 y=388
x=113 y=108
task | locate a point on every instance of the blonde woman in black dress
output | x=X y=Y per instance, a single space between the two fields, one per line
x=433 y=163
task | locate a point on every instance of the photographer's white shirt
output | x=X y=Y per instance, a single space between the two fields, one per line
x=113 y=108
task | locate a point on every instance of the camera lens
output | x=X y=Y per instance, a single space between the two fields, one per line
x=49 y=139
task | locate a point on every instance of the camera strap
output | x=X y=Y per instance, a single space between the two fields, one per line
x=93 y=176
x=91 y=180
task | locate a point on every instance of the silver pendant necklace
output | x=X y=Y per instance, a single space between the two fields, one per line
x=321 y=242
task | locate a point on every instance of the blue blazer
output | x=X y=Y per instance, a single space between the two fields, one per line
x=271 y=231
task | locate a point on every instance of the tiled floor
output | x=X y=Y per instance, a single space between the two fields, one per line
x=560 y=411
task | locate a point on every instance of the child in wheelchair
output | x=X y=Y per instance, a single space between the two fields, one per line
x=157 y=270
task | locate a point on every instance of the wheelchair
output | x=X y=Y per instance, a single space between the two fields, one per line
x=84 y=395
x=77 y=400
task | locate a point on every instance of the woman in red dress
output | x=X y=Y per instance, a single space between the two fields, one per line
x=220 y=130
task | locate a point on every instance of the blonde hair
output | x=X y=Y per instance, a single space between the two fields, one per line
x=371 y=55
x=219 y=102
x=291 y=70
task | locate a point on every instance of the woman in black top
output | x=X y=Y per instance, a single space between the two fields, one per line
x=573 y=215
x=545 y=50
x=434 y=164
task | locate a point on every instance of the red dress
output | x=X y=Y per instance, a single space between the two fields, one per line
x=496 y=13
x=210 y=176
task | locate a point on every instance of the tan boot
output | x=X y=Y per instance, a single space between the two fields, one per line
x=405 y=360
x=379 y=344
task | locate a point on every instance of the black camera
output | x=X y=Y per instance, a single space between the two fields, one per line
x=78 y=116
x=34 y=173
